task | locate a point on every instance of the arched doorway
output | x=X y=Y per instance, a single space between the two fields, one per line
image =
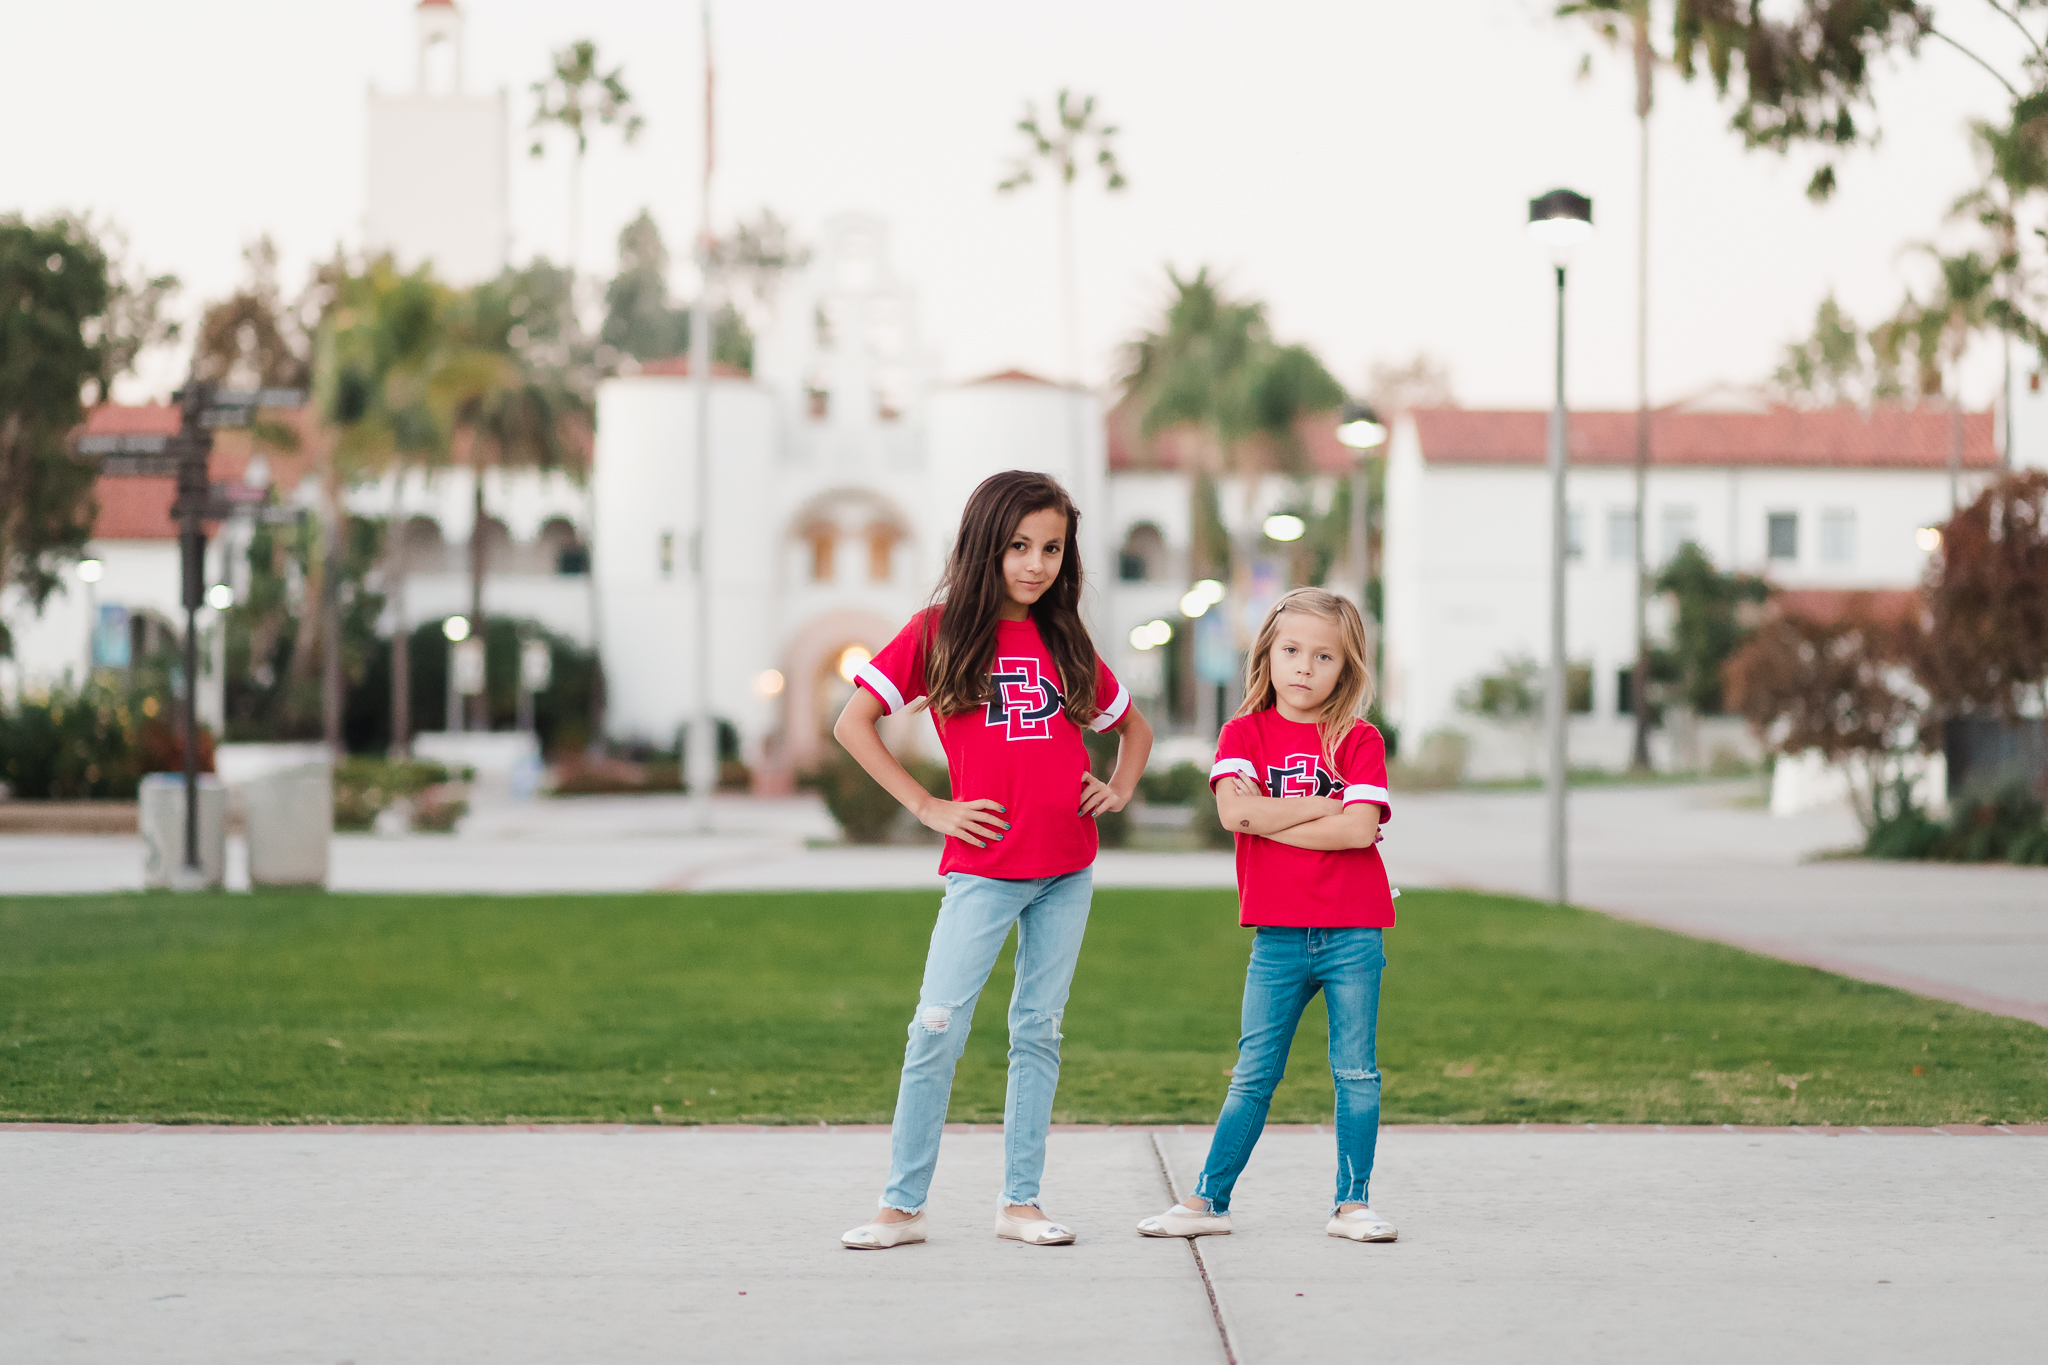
x=814 y=690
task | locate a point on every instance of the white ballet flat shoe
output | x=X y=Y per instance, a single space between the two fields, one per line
x=1182 y=1221
x=1362 y=1225
x=1038 y=1232
x=878 y=1236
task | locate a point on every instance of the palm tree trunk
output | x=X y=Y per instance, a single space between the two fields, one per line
x=401 y=633
x=1639 y=686
x=480 y=708
x=330 y=620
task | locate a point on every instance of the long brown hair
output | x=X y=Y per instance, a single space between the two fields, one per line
x=1354 y=685
x=961 y=650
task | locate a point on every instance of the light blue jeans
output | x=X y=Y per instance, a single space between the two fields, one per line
x=1288 y=967
x=1051 y=914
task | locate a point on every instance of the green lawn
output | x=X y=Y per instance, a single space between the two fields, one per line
x=792 y=1008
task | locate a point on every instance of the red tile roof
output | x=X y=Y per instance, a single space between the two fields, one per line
x=140 y=509
x=1827 y=605
x=1012 y=377
x=678 y=366
x=1180 y=446
x=1832 y=438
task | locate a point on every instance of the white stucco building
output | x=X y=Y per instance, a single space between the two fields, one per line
x=438 y=168
x=1826 y=500
x=838 y=471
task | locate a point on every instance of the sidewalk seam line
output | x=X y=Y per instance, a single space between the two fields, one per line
x=1223 y=1331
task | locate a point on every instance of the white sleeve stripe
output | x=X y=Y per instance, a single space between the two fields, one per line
x=1361 y=791
x=881 y=686
x=1115 y=712
x=1228 y=767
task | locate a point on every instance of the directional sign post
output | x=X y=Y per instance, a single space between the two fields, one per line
x=204 y=409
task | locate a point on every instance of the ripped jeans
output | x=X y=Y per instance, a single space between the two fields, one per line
x=1288 y=967
x=1051 y=914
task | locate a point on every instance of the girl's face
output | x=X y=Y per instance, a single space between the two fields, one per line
x=1032 y=560
x=1306 y=663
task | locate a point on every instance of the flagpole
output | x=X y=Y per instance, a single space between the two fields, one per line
x=702 y=750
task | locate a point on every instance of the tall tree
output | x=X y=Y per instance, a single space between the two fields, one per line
x=641 y=321
x=53 y=285
x=1986 y=593
x=1628 y=22
x=576 y=98
x=1213 y=370
x=381 y=336
x=515 y=379
x=72 y=321
x=1059 y=147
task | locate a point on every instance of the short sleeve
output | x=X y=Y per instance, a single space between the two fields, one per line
x=1233 y=754
x=1362 y=759
x=896 y=675
x=1119 y=697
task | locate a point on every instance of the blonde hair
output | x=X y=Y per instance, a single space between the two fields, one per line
x=1353 y=692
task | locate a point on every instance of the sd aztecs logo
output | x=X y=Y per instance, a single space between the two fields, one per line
x=1303 y=775
x=1022 y=700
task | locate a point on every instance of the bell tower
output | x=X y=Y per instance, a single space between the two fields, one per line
x=438 y=21
x=438 y=162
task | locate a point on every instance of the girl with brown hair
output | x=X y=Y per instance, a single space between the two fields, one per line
x=1005 y=664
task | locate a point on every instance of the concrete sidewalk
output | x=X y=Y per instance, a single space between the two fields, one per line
x=303 y=1244
x=1695 y=859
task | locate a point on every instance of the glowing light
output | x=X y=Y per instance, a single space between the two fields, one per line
x=1204 y=594
x=1281 y=526
x=89 y=570
x=220 y=597
x=456 y=628
x=768 y=682
x=852 y=661
x=1928 y=538
x=1151 y=635
x=1362 y=434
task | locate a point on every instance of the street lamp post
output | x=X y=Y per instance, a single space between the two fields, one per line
x=1560 y=220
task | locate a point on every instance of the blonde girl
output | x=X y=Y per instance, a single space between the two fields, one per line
x=1301 y=780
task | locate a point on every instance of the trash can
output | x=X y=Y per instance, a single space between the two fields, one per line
x=162 y=822
x=289 y=817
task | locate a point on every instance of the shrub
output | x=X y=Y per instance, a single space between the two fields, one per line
x=365 y=787
x=1180 y=785
x=1989 y=820
x=95 y=741
x=866 y=813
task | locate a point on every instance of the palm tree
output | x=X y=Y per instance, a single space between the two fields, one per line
x=377 y=347
x=1609 y=18
x=576 y=98
x=1059 y=149
x=512 y=380
x=1934 y=335
x=1214 y=371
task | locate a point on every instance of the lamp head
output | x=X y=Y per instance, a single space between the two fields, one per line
x=1360 y=427
x=1561 y=220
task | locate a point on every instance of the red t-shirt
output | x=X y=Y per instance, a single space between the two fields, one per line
x=1278 y=883
x=1020 y=749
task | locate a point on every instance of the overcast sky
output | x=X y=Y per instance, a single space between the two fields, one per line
x=1363 y=167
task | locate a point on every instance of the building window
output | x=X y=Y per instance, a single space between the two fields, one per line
x=881 y=552
x=1621 y=534
x=1838 y=535
x=667 y=553
x=1677 y=526
x=1575 y=533
x=1143 y=557
x=1625 y=692
x=1781 y=535
x=824 y=540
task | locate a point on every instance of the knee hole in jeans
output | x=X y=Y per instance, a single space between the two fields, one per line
x=935 y=1018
